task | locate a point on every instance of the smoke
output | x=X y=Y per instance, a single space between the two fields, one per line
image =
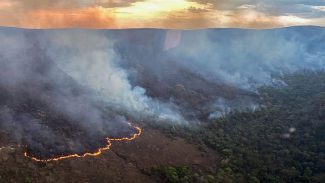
x=91 y=82
x=175 y=75
x=249 y=59
x=195 y=69
x=223 y=106
x=64 y=93
x=90 y=59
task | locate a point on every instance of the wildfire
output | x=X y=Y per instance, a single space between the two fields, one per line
x=97 y=153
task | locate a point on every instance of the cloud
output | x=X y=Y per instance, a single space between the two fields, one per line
x=193 y=9
x=115 y=3
x=184 y=14
x=71 y=4
x=48 y=4
x=275 y=7
x=92 y=17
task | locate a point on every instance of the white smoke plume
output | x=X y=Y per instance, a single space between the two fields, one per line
x=89 y=58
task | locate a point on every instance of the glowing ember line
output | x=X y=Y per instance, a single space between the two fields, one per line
x=97 y=153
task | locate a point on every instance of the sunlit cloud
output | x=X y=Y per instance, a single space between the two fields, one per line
x=320 y=8
x=180 y=14
x=6 y=4
x=155 y=8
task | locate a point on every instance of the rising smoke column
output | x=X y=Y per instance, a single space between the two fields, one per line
x=44 y=109
x=89 y=57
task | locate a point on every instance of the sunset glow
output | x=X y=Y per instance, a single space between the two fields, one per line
x=183 y=14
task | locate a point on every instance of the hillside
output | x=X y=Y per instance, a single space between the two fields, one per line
x=150 y=105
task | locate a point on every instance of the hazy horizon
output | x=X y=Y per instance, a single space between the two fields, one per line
x=159 y=28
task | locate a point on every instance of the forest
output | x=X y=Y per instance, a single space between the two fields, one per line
x=283 y=141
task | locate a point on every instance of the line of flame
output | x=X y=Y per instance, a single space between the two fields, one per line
x=97 y=153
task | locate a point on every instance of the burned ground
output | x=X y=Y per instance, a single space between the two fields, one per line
x=33 y=115
x=132 y=161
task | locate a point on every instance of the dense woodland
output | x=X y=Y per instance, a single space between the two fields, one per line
x=282 y=142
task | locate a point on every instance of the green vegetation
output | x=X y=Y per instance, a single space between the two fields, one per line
x=174 y=174
x=183 y=174
x=282 y=142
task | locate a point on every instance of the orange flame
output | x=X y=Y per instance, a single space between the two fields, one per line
x=97 y=153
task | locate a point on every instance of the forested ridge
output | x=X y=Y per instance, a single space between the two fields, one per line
x=284 y=141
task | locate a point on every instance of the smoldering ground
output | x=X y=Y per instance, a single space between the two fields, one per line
x=64 y=91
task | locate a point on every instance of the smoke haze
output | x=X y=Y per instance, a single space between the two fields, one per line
x=92 y=81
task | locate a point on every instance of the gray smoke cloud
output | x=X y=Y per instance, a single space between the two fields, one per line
x=45 y=109
x=249 y=59
x=63 y=92
x=90 y=59
x=206 y=65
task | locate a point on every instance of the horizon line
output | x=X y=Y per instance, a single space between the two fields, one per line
x=158 y=28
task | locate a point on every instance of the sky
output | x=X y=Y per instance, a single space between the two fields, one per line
x=175 y=14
